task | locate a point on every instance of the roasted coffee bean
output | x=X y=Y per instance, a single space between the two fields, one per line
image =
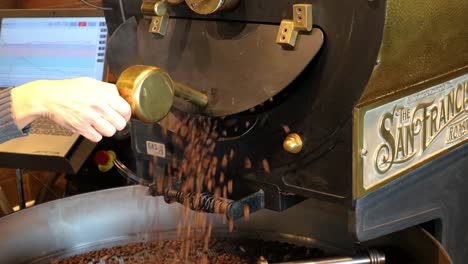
x=266 y=166
x=229 y=186
x=248 y=163
x=246 y=212
x=224 y=162
x=221 y=178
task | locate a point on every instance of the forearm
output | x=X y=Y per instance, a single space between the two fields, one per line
x=18 y=108
x=26 y=103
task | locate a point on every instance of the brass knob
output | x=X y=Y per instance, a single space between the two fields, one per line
x=206 y=7
x=262 y=260
x=150 y=92
x=154 y=8
x=293 y=143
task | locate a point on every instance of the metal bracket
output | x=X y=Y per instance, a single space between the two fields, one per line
x=159 y=25
x=289 y=29
x=156 y=10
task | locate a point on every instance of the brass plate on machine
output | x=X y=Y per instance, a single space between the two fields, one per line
x=395 y=137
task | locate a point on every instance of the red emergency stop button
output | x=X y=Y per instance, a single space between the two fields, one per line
x=104 y=160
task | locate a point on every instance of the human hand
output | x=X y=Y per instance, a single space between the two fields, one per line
x=86 y=106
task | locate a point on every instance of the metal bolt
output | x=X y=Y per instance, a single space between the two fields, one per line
x=293 y=143
x=364 y=152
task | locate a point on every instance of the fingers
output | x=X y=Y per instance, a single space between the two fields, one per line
x=93 y=126
x=113 y=117
x=111 y=93
x=111 y=87
x=121 y=106
x=104 y=127
x=91 y=134
x=92 y=108
x=97 y=130
x=102 y=121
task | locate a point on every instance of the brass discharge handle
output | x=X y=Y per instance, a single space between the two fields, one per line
x=150 y=92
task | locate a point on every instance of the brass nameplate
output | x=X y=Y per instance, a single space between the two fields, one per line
x=400 y=135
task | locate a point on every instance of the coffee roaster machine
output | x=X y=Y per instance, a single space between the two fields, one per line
x=352 y=114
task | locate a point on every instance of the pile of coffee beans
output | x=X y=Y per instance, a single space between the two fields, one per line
x=221 y=251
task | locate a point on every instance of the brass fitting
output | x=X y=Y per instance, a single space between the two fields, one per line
x=151 y=8
x=293 y=143
x=289 y=29
x=159 y=25
x=156 y=10
x=206 y=7
x=302 y=17
x=287 y=35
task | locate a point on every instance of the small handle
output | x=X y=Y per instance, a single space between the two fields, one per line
x=191 y=95
x=207 y=203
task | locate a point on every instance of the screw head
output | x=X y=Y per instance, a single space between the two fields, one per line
x=364 y=152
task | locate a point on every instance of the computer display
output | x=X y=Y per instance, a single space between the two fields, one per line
x=50 y=48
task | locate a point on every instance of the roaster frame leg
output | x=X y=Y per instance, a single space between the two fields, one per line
x=19 y=185
x=4 y=203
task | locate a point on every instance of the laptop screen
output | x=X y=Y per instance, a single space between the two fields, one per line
x=48 y=48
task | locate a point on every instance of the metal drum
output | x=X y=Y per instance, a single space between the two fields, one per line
x=120 y=216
